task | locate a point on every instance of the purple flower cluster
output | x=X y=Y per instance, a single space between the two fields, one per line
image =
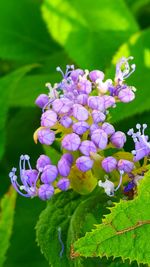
x=76 y=114
x=41 y=181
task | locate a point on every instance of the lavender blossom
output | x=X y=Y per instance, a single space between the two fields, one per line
x=42 y=100
x=98 y=116
x=66 y=121
x=125 y=165
x=63 y=184
x=96 y=102
x=49 y=174
x=84 y=163
x=108 y=128
x=80 y=112
x=109 y=164
x=46 y=136
x=80 y=127
x=87 y=147
x=118 y=139
x=100 y=138
x=71 y=142
x=96 y=74
x=45 y=191
x=126 y=95
x=49 y=118
x=42 y=161
x=64 y=165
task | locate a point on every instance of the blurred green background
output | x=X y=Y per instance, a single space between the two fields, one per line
x=37 y=36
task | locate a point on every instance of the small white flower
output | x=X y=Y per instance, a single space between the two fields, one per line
x=108 y=187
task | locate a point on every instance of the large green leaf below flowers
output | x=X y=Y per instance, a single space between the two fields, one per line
x=70 y=216
x=124 y=232
x=90 y=31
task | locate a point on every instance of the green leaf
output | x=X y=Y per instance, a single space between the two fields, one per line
x=8 y=84
x=85 y=28
x=23 y=35
x=139 y=47
x=74 y=215
x=124 y=232
x=7 y=206
x=56 y=216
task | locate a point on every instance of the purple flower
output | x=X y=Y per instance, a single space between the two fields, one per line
x=118 y=139
x=100 y=138
x=108 y=128
x=96 y=74
x=82 y=99
x=71 y=142
x=109 y=164
x=126 y=72
x=46 y=136
x=64 y=165
x=62 y=105
x=28 y=178
x=109 y=101
x=80 y=127
x=142 y=145
x=49 y=118
x=42 y=161
x=94 y=127
x=84 y=86
x=126 y=95
x=42 y=100
x=98 y=116
x=49 y=174
x=45 y=191
x=84 y=163
x=80 y=113
x=96 y=102
x=75 y=74
x=125 y=165
x=63 y=184
x=87 y=147
x=66 y=121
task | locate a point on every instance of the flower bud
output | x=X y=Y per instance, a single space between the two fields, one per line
x=109 y=101
x=96 y=74
x=66 y=121
x=87 y=147
x=100 y=138
x=42 y=100
x=49 y=174
x=80 y=113
x=42 y=161
x=63 y=184
x=118 y=139
x=109 y=164
x=96 y=102
x=46 y=136
x=48 y=118
x=45 y=191
x=125 y=165
x=71 y=142
x=98 y=116
x=84 y=86
x=64 y=166
x=94 y=127
x=62 y=105
x=84 y=163
x=80 y=127
x=126 y=95
x=82 y=99
x=108 y=128
x=75 y=74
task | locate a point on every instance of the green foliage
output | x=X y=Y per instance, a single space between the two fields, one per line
x=124 y=232
x=8 y=85
x=7 y=208
x=85 y=28
x=22 y=32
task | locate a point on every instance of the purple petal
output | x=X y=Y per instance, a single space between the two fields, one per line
x=42 y=161
x=118 y=139
x=125 y=165
x=42 y=100
x=109 y=164
x=45 y=191
x=66 y=121
x=63 y=184
x=71 y=142
x=46 y=136
x=96 y=74
x=49 y=174
x=100 y=138
x=126 y=95
x=96 y=102
x=87 y=147
x=48 y=118
x=108 y=128
x=80 y=127
x=84 y=163
x=80 y=113
x=98 y=116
